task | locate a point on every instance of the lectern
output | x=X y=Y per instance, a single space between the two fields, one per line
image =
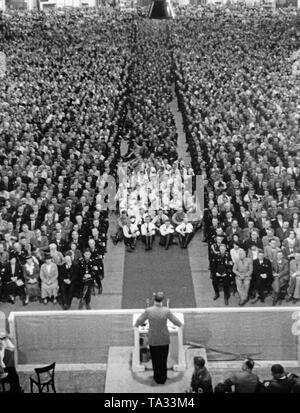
x=176 y=358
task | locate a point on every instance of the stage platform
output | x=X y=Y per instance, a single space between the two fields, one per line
x=121 y=379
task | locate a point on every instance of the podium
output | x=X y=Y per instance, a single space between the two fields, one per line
x=176 y=358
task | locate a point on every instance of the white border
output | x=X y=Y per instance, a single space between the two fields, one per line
x=199 y=310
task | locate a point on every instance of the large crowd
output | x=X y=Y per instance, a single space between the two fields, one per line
x=86 y=98
x=155 y=188
x=62 y=106
x=82 y=102
x=240 y=98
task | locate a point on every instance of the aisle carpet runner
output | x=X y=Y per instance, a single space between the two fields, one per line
x=146 y=272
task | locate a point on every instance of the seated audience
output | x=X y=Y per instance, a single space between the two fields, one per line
x=281 y=381
x=201 y=381
x=245 y=381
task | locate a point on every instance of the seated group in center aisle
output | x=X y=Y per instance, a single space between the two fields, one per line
x=157 y=200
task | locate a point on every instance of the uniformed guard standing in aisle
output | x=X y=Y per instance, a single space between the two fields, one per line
x=98 y=263
x=87 y=278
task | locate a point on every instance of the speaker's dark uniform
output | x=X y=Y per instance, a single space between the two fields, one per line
x=159 y=338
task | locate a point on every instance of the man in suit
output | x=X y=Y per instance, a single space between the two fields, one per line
x=277 y=221
x=253 y=240
x=247 y=231
x=209 y=213
x=283 y=232
x=40 y=244
x=33 y=222
x=281 y=277
x=290 y=245
x=270 y=235
x=242 y=269
x=61 y=245
x=262 y=276
x=271 y=250
x=244 y=381
x=159 y=338
x=66 y=227
x=13 y=280
x=75 y=238
x=220 y=272
x=68 y=274
x=294 y=280
x=262 y=220
x=234 y=229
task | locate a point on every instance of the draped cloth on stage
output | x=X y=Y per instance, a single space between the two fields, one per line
x=86 y=337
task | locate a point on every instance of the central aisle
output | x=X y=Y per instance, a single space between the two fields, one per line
x=160 y=270
x=146 y=272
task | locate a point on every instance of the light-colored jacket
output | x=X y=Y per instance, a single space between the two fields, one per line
x=243 y=268
x=50 y=276
x=158 y=330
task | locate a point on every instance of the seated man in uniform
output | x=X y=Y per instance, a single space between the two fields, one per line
x=281 y=382
x=221 y=272
x=245 y=381
x=201 y=379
